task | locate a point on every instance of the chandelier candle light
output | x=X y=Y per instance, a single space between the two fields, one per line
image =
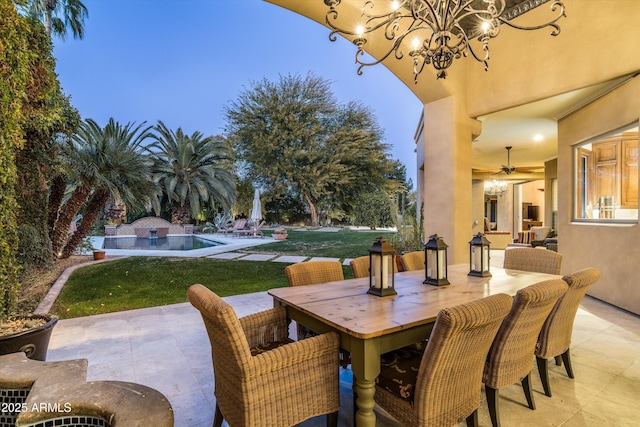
x=382 y=268
x=436 y=31
x=495 y=187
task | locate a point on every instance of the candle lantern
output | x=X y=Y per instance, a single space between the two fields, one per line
x=479 y=256
x=381 y=268
x=435 y=257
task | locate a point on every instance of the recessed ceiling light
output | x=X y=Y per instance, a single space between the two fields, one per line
x=538 y=137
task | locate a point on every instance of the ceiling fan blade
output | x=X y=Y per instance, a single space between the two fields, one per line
x=486 y=170
x=530 y=168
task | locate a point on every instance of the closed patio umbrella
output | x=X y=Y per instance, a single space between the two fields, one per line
x=256 y=212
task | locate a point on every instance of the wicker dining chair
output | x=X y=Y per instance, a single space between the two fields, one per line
x=360 y=266
x=261 y=377
x=532 y=259
x=442 y=385
x=413 y=261
x=555 y=337
x=311 y=273
x=509 y=359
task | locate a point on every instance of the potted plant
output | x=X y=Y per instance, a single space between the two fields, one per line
x=280 y=233
x=86 y=246
x=29 y=333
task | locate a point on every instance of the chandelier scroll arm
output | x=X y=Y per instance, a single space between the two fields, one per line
x=360 y=52
x=557 y=4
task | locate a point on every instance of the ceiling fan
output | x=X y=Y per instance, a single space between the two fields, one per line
x=508 y=169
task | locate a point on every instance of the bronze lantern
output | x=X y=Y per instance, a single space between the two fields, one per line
x=381 y=268
x=479 y=256
x=435 y=257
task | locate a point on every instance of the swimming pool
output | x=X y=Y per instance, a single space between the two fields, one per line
x=170 y=243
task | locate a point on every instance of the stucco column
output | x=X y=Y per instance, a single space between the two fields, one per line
x=446 y=180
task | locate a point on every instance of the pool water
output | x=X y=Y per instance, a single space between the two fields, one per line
x=170 y=243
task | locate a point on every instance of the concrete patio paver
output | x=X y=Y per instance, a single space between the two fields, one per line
x=321 y=258
x=258 y=257
x=227 y=255
x=292 y=259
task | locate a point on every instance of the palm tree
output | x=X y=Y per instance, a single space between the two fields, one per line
x=58 y=16
x=191 y=170
x=102 y=164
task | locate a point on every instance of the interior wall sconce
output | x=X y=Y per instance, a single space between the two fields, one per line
x=381 y=268
x=435 y=255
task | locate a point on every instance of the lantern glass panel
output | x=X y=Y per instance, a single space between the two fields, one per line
x=485 y=258
x=442 y=263
x=476 y=258
x=381 y=270
x=375 y=262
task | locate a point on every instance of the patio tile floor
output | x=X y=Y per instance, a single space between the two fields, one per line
x=258 y=257
x=167 y=348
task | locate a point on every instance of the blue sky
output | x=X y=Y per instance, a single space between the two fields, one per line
x=182 y=61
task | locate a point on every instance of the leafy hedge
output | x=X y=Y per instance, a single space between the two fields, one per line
x=14 y=60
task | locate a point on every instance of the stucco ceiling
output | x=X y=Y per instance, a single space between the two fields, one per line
x=517 y=127
x=548 y=61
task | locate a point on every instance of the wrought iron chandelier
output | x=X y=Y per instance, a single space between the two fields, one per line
x=495 y=187
x=436 y=31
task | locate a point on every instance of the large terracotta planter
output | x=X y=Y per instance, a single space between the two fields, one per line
x=33 y=342
x=279 y=236
x=97 y=255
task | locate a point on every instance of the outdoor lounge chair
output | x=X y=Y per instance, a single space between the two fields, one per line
x=240 y=224
x=252 y=231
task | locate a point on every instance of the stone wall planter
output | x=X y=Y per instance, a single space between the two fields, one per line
x=33 y=342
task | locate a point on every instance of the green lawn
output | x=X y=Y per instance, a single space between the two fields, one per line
x=342 y=244
x=139 y=282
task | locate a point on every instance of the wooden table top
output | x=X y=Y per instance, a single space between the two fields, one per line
x=347 y=307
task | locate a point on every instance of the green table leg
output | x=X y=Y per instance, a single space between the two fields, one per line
x=365 y=363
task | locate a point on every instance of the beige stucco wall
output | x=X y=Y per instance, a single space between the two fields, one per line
x=598 y=42
x=445 y=185
x=550 y=173
x=613 y=249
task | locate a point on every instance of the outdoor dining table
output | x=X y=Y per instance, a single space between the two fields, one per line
x=370 y=325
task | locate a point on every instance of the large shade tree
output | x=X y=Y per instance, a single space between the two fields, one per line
x=100 y=163
x=58 y=16
x=295 y=137
x=193 y=171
